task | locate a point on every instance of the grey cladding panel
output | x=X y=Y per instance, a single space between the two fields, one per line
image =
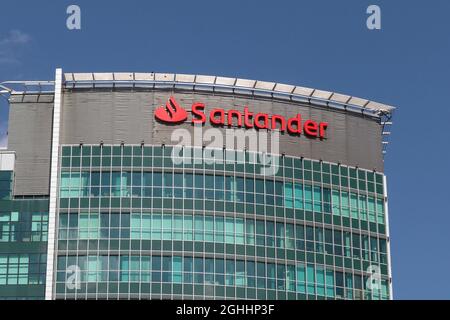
x=30 y=130
x=113 y=117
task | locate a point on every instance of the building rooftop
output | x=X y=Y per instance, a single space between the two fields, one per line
x=205 y=83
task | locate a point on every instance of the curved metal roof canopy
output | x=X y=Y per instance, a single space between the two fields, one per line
x=228 y=85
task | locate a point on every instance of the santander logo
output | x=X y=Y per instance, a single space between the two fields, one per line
x=171 y=113
x=174 y=113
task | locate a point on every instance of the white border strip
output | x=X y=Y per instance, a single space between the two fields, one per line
x=386 y=213
x=53 y=186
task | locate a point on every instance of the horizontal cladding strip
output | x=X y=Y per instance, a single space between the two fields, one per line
x=192 y=169
x=224 y=172
x=294 y=221
x=78 y=253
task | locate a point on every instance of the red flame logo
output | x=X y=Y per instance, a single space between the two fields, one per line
x=172 y=112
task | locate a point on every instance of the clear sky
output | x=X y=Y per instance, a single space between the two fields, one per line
x=317 y=43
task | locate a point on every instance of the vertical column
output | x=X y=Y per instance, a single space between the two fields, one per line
x=53 y=187
x=386 y=213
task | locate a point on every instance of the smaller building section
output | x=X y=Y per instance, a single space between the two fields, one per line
x=23 y=238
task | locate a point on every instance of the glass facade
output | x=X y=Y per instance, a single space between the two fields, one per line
x=6 y=179
x=136 y=225
x=23 y=246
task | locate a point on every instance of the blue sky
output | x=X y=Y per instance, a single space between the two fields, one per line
x=317 y=43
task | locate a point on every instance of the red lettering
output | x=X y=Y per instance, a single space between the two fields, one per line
x=197 y=110
x=323 y=127
x=236 y=113
x=264 y=117
x=295 y=125
x=173 y=113
x=311 y=128
x=213 y=114
x=247 y=118
x=280 y=119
